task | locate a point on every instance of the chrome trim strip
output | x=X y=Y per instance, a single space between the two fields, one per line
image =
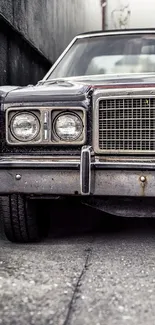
x=45 y=117
x=124 y=92
x=45 y=134
x=21 y=164
x=39 y=162
x=124 y=166
x=67 y=162
x=46 y=126
x=121 y=32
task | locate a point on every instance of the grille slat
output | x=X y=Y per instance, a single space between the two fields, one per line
x=127 y=125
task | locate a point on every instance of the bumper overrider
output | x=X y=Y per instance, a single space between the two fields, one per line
x=85 y=176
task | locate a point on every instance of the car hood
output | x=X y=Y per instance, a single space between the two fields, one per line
x=52 y=91
x=76 y=89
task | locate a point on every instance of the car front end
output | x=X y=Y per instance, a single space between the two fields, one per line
x=92 y=137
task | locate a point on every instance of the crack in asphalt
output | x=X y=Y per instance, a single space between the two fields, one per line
x=78 y=285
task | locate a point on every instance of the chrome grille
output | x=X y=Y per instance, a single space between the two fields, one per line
x=127 y=125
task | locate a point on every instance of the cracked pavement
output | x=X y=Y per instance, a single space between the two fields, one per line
x=91 y=270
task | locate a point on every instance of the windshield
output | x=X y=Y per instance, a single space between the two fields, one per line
x=116 y=54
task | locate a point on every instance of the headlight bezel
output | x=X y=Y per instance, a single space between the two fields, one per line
x=46 y=115
x=13 y=132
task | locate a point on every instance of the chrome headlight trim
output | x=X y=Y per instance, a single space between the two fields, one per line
x=46 y=116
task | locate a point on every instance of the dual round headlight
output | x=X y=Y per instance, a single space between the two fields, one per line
x=25 y=126
x=68 y=126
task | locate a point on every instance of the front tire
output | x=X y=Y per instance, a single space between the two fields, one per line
x=20 y=221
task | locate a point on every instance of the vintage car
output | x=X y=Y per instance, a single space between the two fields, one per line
x=86 y=130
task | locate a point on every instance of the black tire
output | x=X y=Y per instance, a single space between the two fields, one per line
x=20 y=221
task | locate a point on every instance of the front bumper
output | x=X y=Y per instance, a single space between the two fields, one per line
x=86 y=176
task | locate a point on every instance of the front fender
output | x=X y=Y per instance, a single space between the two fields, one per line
x=4 y=90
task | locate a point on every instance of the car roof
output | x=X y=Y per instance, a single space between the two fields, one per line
x=101 y=32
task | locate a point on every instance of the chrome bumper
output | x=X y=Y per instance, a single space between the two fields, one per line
x=88 y=175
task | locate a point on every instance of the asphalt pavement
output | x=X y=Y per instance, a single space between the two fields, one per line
x=93 y=269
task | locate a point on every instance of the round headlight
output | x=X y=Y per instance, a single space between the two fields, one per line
x=68 y=127
x=25 y=126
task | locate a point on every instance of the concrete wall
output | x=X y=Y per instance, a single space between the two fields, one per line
x=122 y=14
x=51 y=24
x=20 y=62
